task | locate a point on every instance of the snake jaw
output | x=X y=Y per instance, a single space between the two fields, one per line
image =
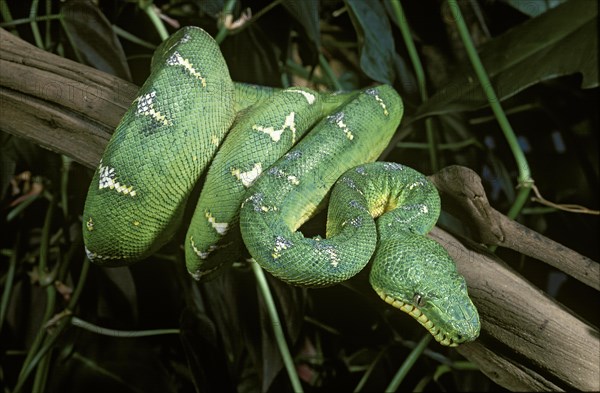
x=416 y=313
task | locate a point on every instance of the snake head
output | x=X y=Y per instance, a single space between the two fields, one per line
x=416 y=275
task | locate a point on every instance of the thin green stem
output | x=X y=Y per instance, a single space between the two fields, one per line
x=10 y=277
x=370 y=370
x=408 y=363
x=45 y=279
x=432 y=145
x=152 y=11
x=33 y=355
x=464 y=365
x=420 y=76
x=410 y=47
x=22 y=206
x=30 y=364
x=511 y=111
x=329 y=72
x=297 y=69
x=132 y=38
x=224 y=30
x=285 y=79
x=34 y=27
x=43 y=273
x=443 y=146
x=23 y=21
x=254 y=18
x=32 y=359
x=520 y=201
x=525 y=181
x=47 y=26
x=50 y=291
x=7 y=17
x=263 y=286
x=120 y=333
x=85 y=268
x=41 y=375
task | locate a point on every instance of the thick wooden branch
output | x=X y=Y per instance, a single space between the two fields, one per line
x=528 y=340
x=57 y=103
x=463 y=195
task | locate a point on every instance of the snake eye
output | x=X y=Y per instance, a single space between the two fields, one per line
x=419 y=300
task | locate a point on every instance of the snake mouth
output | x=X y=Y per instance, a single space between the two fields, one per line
x=416 y=313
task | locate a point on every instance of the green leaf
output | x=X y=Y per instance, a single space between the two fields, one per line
x=534 y=8
x=375 y=39
x=307 y=14
x=560 y=42
x=93 y=38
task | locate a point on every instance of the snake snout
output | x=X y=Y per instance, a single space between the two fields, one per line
x=466 y=326
x=469 y=333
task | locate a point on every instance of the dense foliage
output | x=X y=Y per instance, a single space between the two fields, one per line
x=541 y=60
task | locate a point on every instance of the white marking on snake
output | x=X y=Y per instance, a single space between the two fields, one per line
x=220 y=227
x=361 y=170
x=276 y=134
x=392 y=166
x=145 y=107
x=214 y=140
x=278 y=173
x=176 y=59
x=420 y=209
x=186 y=37
x=335 y=259
x=310 y=98
x=107 y=178
x=90 y=224
x=382 y=104
x=200 y=253
x=93 y=256
x=257 y=203
x=197 y=275
x=338 y=119
x=248 y=177
x=373 y=93
x=292 y=155
x=89 y=254
x=415 y=184
x=281 y=244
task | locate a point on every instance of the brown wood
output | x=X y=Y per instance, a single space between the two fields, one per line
x=528 y=340
x=57 y=103
x=463 y=195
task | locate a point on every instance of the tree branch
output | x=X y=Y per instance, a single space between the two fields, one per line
x=528 y=341
x=62 y=105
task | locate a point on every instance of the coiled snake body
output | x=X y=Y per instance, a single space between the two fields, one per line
x=270 y=178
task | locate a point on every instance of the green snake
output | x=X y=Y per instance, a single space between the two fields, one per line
x=272 y=157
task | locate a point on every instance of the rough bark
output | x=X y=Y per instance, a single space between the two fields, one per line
x=528 y=340
x=57 y=103
x=463 y=196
